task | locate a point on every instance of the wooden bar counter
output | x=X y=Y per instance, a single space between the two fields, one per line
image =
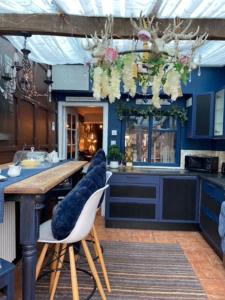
x=46 y=180
x=31 y=193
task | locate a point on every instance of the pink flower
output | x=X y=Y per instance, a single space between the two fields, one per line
x=111 y=54
x=144 y=35
x=185 y=59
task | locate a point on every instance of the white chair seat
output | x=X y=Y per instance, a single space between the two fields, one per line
x=45 y=235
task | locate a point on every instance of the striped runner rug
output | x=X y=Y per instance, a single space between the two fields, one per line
x=136 y=271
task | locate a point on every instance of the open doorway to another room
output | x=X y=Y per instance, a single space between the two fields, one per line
x=84 y=132
x=82 y=128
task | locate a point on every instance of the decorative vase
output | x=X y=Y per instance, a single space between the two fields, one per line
x=114 y=164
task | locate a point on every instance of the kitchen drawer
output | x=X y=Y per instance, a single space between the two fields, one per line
x=213 y=191
x=132 y=210
x=132 y=191
x=133 y=179
x=211 y=203
x=209 y=225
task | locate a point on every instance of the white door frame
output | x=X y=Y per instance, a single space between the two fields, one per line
x=79 y=101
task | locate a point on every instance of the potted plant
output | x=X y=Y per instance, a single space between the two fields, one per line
x=114 y=156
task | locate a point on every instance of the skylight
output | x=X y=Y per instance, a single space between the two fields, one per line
x=61 y=50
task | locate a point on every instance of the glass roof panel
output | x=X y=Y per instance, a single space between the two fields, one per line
x=60 y=50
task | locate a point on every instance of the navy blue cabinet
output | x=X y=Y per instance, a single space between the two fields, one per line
x=147 y=201
x=219 y=113
x=202 y=116
x=212 y=197
x=180 y=199
x=132 y=199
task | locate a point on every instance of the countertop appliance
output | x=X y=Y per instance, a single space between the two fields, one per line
x=223 y=168
x=208 y=164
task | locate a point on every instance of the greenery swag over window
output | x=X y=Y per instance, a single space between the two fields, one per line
x=124 y=111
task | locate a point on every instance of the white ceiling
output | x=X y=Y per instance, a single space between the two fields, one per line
x=62 y=50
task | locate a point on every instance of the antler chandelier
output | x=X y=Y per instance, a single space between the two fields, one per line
x=156 y=66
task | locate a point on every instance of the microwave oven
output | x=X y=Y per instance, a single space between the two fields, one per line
x=208 y=164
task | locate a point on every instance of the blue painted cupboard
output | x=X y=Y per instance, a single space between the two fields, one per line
x=149 y=201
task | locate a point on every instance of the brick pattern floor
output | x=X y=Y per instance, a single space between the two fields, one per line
x=206 y=264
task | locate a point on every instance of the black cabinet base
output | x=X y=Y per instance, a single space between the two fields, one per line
x=218 y=252
x=151 y=225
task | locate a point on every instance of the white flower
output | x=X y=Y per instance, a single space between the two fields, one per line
x=105 y=84
x=156 y=86
x=127 y=76
x=97 y=78
x=172 y=85
x=114 y=92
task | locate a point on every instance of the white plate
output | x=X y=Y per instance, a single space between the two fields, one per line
x=2 y=178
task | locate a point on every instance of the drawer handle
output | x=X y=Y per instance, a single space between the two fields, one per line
x=132 y=177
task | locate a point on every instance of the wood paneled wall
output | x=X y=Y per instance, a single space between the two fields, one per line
x=25 y=121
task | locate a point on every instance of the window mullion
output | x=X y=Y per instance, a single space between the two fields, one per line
x=150 y=139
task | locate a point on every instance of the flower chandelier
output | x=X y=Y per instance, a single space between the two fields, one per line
x=156 y=66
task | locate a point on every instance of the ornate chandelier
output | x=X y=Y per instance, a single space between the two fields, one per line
x=20 y=77
x=159 y=64
x=25 y=78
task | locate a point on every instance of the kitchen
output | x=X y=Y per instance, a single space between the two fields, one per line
x=157 y=172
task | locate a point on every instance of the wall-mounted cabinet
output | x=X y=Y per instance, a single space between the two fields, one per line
x=202 y=116
x=219 y=131
x=206 y=116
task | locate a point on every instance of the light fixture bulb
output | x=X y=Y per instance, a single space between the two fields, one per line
x=49 y=73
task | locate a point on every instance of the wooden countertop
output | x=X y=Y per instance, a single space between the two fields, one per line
x=46 y=180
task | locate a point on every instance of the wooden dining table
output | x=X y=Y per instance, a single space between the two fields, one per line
x=31 y=193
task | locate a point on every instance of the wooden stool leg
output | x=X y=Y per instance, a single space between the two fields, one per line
x=93 y=269
x=73 y=273
x=54 y=265
x=59 y=266
x=41 y=259
x=94 y=246
x=101 y=259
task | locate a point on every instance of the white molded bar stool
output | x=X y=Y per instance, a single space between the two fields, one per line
x=80 y=231
x=96 y=243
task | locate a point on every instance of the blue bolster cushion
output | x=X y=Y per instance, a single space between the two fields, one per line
x=97 y=159
x=68 y=210
x=100 y=154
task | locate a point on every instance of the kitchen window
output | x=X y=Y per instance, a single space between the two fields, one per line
x=154 y=141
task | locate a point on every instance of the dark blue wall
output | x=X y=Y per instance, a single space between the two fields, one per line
x=211 y=79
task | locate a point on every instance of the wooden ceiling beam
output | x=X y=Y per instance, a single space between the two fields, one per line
x=79 y=26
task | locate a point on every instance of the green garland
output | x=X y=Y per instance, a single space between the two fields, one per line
x=124 y=111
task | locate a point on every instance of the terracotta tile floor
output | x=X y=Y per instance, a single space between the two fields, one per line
x=206 y=264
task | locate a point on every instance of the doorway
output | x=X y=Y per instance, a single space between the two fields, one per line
x=82 y=130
